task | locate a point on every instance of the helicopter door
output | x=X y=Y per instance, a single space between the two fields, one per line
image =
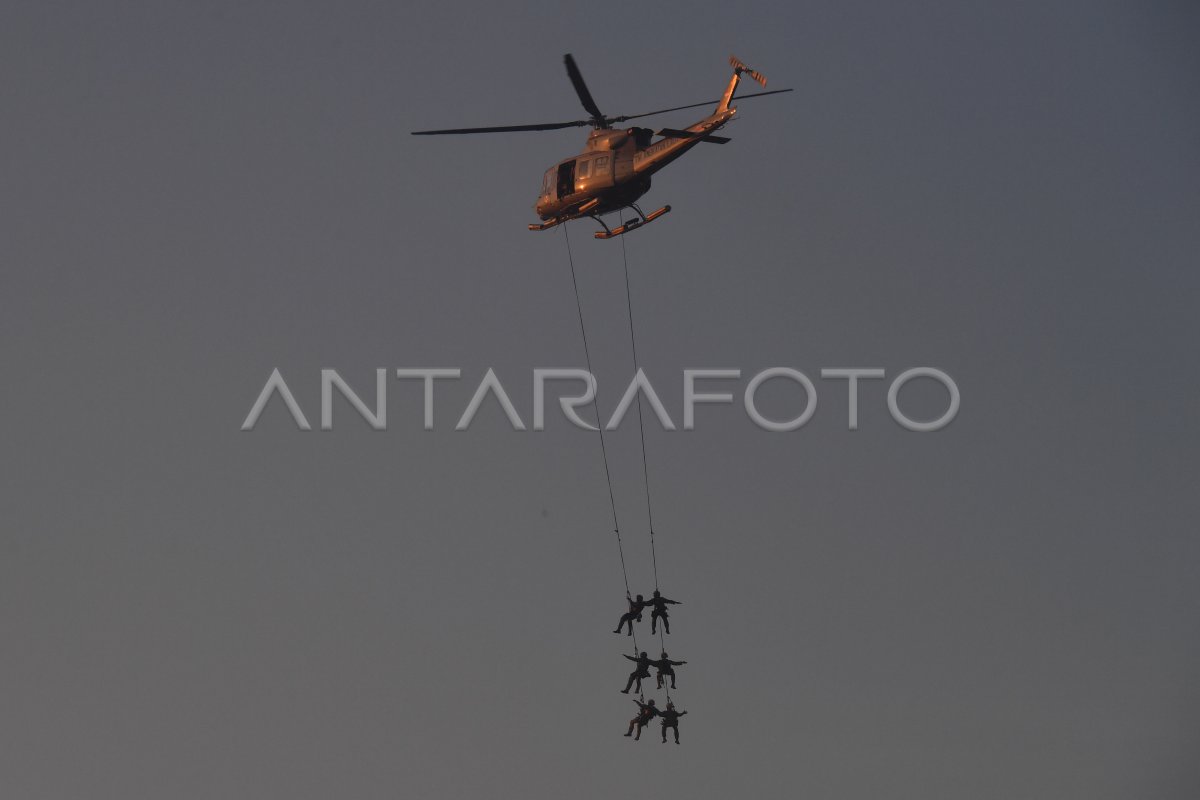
x=566 y=179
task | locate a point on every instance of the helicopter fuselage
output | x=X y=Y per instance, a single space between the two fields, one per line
x=615 y=167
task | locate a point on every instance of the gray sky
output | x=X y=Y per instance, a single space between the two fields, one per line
x=195 y=195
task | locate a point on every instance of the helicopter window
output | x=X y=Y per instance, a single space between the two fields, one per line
x=601 y=162
x=583 y=169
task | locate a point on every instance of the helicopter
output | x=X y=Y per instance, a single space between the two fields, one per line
x=616 y=164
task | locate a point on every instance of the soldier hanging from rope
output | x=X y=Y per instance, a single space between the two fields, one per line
x=659 y=604
x=666 y=667
x=635 y=613
x=646 y=712
x=670 y=719
x=641 y=670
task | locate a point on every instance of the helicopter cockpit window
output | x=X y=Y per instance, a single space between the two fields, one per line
x=583 y=169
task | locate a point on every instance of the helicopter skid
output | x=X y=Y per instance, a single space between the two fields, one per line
x=632 y=225
x=583 y=210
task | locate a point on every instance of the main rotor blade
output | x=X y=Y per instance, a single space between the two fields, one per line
x=545 y=126
x=696 y=105
x=579 y=123
x=581 y=89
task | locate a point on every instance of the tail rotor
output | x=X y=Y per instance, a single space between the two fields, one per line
x=740 y=68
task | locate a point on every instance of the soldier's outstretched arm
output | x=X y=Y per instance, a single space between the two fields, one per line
x=631 y=658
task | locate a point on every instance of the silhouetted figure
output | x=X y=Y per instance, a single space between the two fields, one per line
x=635 y=613
x=646 y=712
x=641 y=670
x=665 y=667
x=670 y=719
x=659 y=604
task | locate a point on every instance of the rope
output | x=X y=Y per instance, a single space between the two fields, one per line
x=645 y=462
x=641 y=425
x=599 y=425
x=666 y=682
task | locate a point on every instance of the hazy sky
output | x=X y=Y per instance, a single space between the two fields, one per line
x=196 y=194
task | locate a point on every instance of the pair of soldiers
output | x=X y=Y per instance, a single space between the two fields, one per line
x=647 y=711
x=641 y=669
x=657 y=602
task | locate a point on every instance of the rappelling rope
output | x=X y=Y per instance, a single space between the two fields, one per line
x=641 y=425
x=599 y=425
x=645 y=463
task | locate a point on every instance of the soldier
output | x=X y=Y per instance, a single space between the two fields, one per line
x=641 y=670
x=659 y=603
x=670 y=719
x=635 y=613
x=665 y=667
x=646 y=712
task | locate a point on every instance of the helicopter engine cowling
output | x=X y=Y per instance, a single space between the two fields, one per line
x=641 y=136
x=606 y=139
